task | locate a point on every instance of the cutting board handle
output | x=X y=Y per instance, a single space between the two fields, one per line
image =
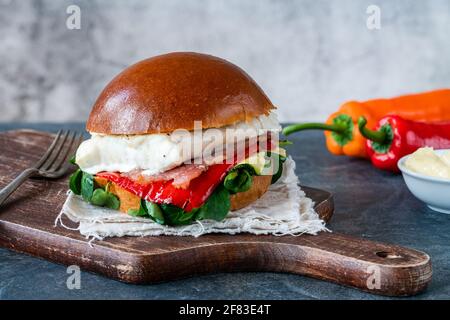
x=370 y=266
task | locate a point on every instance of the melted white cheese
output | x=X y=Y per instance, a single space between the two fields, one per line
x=154 y=153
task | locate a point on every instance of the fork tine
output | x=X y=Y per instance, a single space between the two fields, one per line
x=65 y=166
x=56 y=151
x=78 y=139
x=73 y=142
x=49 y=150
x=78 y=142
x=51 y=158
x=64 y=150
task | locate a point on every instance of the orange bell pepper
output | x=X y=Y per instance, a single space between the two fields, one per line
x=341 y=128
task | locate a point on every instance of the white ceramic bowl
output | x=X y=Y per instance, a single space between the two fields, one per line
x=435 y=192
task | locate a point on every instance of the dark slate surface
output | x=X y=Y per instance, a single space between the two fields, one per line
x=369 y=203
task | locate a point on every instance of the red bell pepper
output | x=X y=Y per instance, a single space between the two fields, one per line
x=160 y=192
x=395 y=137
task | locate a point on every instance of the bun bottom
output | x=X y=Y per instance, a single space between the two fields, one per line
x=239 y=200
x=259 y=187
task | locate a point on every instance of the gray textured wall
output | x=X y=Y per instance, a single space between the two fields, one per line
x=309 y=56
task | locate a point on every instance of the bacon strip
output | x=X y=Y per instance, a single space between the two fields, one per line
x=181 y=176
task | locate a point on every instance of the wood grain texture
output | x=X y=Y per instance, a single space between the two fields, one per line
x=27 y=225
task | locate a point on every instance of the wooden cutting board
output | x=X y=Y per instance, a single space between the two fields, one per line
x=27 y=225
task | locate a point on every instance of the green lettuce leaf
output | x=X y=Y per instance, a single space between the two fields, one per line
x=217 y=206
x=75 y=182
x=87 y=186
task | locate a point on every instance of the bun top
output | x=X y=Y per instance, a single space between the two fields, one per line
x=171 y=91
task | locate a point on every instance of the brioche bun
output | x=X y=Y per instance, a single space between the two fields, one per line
x=259 y=187
x=171 y=91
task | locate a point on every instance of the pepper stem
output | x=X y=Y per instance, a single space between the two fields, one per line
x=375 y=136
x=339 y=128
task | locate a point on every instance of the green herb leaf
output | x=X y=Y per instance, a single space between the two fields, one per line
x=103 y=198
x=87 y=186
x=281 y=159
x=245 y=166
x=72 y=160
x=99 y=197
x=111 y=201
x=148 y=209
x=141 y=212
x=75 y=182
x=154 y=211
x=174 y=215
x=217 y=206
x=238 y=180
x=283 y=143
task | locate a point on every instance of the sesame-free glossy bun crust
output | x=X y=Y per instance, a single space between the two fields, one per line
x=171 y=91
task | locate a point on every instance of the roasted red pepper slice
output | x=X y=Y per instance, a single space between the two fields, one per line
x=395 y=137
x=160 y=192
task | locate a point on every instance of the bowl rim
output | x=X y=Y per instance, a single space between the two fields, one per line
x=405 y=170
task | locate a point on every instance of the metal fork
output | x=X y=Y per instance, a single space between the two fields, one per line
x=52 y=165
